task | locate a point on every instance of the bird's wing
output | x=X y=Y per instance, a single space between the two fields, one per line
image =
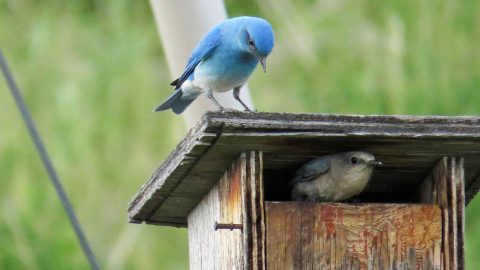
x=312 y=170
x=204 y=49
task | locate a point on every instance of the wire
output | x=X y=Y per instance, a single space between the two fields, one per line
x=27 y=118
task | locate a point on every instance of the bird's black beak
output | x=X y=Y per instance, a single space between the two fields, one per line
x=375 y=163
x=263 y=61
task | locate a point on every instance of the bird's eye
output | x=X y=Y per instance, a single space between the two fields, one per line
x=251 y=42
x=354 y=160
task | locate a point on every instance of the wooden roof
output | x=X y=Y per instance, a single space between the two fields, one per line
x=409 y=147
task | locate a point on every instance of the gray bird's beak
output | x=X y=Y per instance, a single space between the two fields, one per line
x=375 y=163
x=263 y=61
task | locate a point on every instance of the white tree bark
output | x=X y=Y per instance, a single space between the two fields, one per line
x=181 y=24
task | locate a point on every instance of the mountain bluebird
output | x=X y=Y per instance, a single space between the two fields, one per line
x=223 y=60
x=335 y=177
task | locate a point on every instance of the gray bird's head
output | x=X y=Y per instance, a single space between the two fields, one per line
x=358 y=162
x=258 y=39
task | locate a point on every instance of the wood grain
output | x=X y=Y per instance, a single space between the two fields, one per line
x=236 y=199
x=409 y=146
x=253 y=212
x=304 y=235
x=445 y=187
x=219 y=249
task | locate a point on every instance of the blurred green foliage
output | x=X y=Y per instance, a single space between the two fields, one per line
x=91 y=71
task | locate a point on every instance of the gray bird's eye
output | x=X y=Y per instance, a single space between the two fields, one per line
x=354 y=160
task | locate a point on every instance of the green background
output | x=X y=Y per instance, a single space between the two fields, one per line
x=91 y=72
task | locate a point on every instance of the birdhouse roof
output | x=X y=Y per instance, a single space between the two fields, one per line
x=408 y=146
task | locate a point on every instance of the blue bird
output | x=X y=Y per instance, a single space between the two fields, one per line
x=223 y=60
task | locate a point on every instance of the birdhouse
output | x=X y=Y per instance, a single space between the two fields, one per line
x=228 y=182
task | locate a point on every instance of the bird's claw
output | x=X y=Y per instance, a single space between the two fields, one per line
x=354 y=201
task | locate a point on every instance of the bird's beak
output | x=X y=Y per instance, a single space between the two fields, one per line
x=263 y=61
x=375 y=163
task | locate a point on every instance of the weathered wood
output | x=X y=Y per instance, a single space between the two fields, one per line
x=345 y=236
x=409 y=146
x=459 y=178
x=176 y=166
x=219 y=249
x=236 y=199
x=253 y=212
x=445 y=187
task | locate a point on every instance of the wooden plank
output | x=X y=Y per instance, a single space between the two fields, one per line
x=283 y=121
x=293 y=229
x=236 y=199
x=408 y=145
x=345 y=236
x=145 y=202
x=276 y=225
x=219 y=249
x=254 y=224
x=460 y=194
x=452 y=212
x=307 y=232
x=445 y=187
x=200 y=178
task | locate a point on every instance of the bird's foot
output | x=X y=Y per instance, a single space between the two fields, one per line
x=354 y=201
x=247 y=110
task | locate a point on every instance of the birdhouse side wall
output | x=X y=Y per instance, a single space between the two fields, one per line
x=226 y=229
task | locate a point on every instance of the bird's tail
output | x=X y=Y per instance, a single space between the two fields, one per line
x=176 y=101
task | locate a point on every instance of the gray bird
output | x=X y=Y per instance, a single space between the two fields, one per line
x=334 y=177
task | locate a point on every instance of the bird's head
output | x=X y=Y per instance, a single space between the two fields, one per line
x=258 y=39
x=357 y=162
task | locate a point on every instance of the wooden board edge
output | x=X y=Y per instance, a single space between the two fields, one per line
x=135 y=208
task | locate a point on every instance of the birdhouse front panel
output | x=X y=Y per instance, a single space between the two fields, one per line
x=349 y=236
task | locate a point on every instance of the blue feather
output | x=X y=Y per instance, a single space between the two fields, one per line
x=204 y=49
x=177 y=101
x=181 y=104
x=167 y=104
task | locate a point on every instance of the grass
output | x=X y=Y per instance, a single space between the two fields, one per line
x=91 y=72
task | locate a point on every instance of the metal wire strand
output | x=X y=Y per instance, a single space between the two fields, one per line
x=27 y=118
